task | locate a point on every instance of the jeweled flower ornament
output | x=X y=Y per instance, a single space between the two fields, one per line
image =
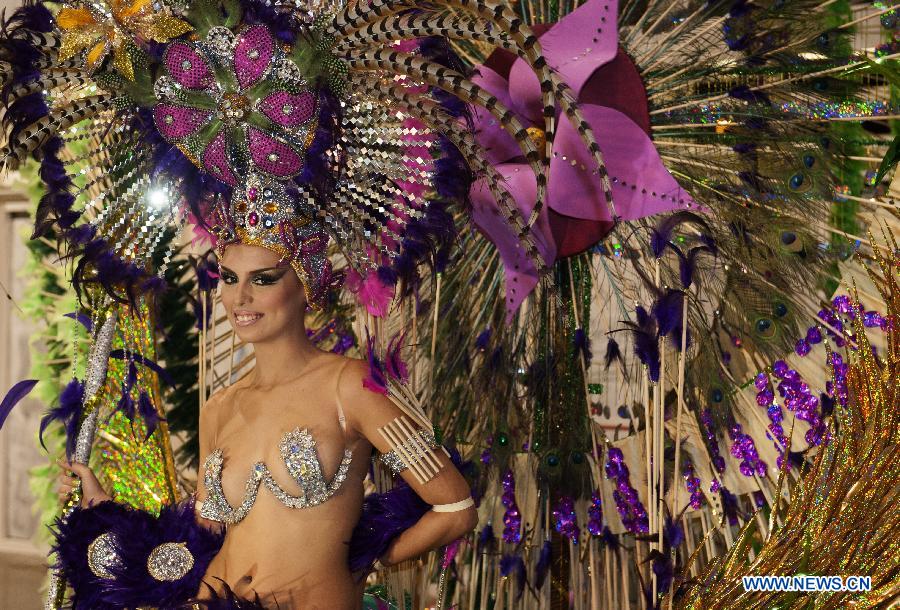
x=236 y=103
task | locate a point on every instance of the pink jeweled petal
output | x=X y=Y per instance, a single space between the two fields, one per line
x=187 y=66
x=575 y=47
x=498 y=144
x=176 y=122
x=272 y=156
x=520 y=273
x=215 y=160
x=253 y=54
x=289 y=110
x=641 y=184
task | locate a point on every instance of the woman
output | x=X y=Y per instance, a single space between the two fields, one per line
x=295 y=557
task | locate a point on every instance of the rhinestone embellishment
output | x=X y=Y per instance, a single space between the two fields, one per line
x=392 y=459
x=102 y=556
x=170 y=561
x=298 y=450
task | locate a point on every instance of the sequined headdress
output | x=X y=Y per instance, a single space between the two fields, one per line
x=273 y=124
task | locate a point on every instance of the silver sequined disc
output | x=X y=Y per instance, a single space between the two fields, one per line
x=102 y=556
x=170 y=561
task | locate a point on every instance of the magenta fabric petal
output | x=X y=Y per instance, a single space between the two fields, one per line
x=641 y=184
x=215 y=160
x=499 y=145
x=575 y=47
x=187 y=66
x=289 y=110
x=272 y=156
x=252 y=55
x=584 y=40
x=176 y=122
x=520 y=273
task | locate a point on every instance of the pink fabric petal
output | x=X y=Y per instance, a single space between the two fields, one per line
x=272 y=156
x=252 y=55
x=500 y=146
x=289 y=110
x=176 y=122
x=575 y=47
x=521 y=274
x=215 y=160
x=582 y=41
x=641 y=185
x=187 y=66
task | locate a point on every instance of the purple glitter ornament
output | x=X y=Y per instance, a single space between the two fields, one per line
x=595 y=515
x=565 y=520
x=634 y=516
x=512 y=519
x=744 y=449
x=692 y=481
x=710 y=431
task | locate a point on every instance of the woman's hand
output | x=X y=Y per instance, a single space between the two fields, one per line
x=91 y=491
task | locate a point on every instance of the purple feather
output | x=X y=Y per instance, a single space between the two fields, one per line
x=613 y=353
x=482 y=340
x=486 y=540
x=583 y=345
x=150 y=364
x=221 y=597
x=514 y=563
x=673 y=533
x=543 y=565
x=148 y=413
x=385 y=516
x=646 y=345
x=14 y=396
x=67 y=412
x=664 y=570
x=667 y=311
x=661 y=235
x=609 y=539
x=82 y=319
x=136 y=533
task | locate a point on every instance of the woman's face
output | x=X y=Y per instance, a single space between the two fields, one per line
x=263 y=300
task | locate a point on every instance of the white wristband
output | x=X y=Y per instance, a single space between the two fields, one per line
x=455 y=507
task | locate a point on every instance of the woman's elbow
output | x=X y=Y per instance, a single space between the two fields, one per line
x=468 y=520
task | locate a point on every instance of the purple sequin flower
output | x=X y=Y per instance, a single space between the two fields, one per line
x=565 y=520
x=595 y=515
x=709 y=430
x=634 y=516
x=512 y=519
x=744 y=449
x=692 y=481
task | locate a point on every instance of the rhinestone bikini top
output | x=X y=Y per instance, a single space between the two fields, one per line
x=298 y=450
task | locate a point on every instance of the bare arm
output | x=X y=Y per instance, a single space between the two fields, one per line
x=366 y=412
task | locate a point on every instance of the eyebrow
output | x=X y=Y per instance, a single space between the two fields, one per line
x=224 y=268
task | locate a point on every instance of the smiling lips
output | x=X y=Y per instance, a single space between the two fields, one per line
x=246 y=318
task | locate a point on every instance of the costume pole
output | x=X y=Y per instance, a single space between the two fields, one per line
x=95 y=377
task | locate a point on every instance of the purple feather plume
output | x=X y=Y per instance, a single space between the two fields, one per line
x=385 y=516
x=14 y=396
x=613 y=353
x=510 y=564
x=67 y=412
x=583 y=345
x=136 y=533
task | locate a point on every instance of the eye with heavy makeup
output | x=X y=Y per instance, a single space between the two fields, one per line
x=260 y=277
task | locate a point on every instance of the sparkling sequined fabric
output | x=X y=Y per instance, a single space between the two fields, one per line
x=298 y=450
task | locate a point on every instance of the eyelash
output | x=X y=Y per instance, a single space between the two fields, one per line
x=259 y=280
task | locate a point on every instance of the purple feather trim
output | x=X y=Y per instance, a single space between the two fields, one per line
x=514 y=564
x=385 y=516
x=14 y=396
x=68 y=412
x=136 y=534
x=221 y=597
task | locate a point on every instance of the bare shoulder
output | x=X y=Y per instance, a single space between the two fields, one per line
x=360 y=403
